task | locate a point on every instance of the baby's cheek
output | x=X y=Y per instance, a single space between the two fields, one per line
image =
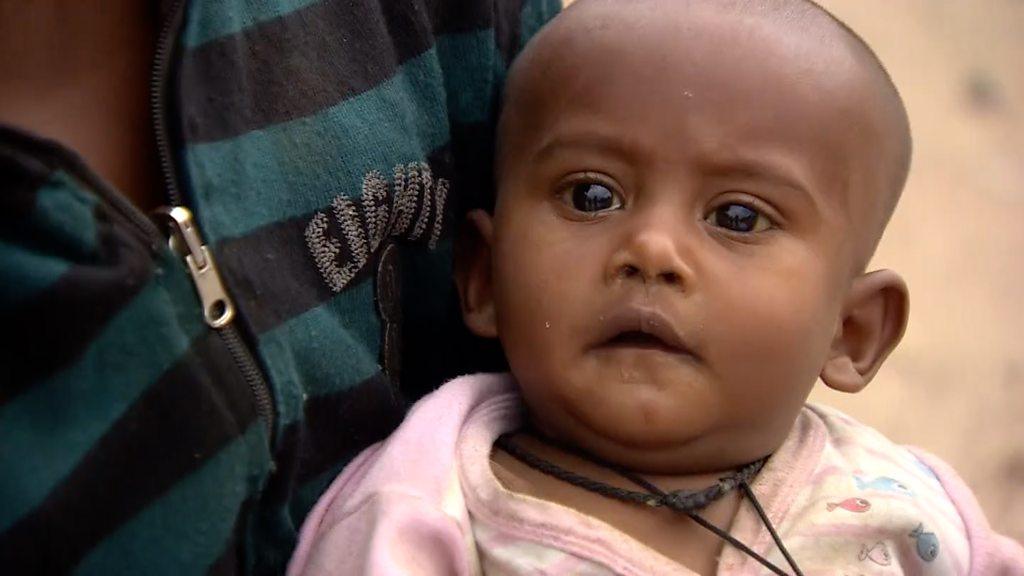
x=777 y=331
x=534 y=317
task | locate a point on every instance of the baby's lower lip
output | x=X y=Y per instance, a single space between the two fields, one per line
x=653 y=356
x=641 y=342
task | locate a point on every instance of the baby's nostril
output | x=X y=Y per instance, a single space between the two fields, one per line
x=629 y=271
x=670 y=277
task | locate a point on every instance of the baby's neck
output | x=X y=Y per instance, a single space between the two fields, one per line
x=670 y=533
x=580 y=462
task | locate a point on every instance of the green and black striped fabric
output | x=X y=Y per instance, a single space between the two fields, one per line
x=328 y=149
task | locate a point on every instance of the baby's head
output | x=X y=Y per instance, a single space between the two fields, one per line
x=688 y=195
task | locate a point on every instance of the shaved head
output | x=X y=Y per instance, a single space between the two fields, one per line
x=800 y=34
x=724 y=167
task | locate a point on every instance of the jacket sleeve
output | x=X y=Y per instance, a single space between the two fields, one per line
x=992 y=554
x=388 y=534
x=129 y=440
x=398 y=508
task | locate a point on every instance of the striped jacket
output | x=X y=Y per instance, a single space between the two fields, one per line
x=159 y=417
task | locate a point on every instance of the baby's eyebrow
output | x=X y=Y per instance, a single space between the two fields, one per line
x=589 y=141
x=777 y=173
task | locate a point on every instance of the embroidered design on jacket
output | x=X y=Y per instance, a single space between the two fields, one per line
x=401 y=209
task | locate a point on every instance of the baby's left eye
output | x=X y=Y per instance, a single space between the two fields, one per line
x=592 y=198
x=738 y=218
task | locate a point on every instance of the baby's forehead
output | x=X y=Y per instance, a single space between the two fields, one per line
x=794 y=33
x=746 y=54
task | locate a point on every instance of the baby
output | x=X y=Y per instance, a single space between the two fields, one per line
x=689 y=193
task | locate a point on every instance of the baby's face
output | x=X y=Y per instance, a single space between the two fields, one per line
x=676 y=229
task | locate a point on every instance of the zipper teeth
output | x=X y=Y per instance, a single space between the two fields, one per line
x=157 y=103
x=252 y=375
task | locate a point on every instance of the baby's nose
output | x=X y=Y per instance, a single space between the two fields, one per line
x=651 y=257
x=665 y=276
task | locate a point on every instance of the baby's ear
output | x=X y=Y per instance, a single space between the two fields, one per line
x=473 y=274
x=874 y=317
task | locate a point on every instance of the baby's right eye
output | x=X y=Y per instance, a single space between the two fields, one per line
x=592 y=198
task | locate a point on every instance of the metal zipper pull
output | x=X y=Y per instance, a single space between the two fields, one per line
x=184 y=240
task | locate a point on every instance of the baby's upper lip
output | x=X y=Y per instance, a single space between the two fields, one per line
x=644 y=319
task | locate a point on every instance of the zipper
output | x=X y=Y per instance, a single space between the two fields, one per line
x=169 y=27
x=218 y=309
x=184 y=238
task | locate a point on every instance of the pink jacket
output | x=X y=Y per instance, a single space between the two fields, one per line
x=844 y=499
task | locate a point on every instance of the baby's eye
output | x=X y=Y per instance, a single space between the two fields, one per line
x=592 y=197
x=738 y=218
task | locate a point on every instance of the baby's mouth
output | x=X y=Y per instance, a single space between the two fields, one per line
x=641 y=340
x=640 y=328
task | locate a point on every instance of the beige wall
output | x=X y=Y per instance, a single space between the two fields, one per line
x=956 y=385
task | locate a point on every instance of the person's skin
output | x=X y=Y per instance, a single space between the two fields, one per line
x=739 y=176
x=78 y=73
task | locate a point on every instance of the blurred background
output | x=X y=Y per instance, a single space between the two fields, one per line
x=955 y=386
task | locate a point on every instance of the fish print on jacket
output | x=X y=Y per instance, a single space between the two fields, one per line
x=858 y=505
x=927 y=543
x=401 y=208
x=883 y=484
x=878 y=553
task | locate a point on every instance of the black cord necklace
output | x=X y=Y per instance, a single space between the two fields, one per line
x=688 y=502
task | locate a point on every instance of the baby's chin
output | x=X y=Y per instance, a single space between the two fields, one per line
x=630 y=438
